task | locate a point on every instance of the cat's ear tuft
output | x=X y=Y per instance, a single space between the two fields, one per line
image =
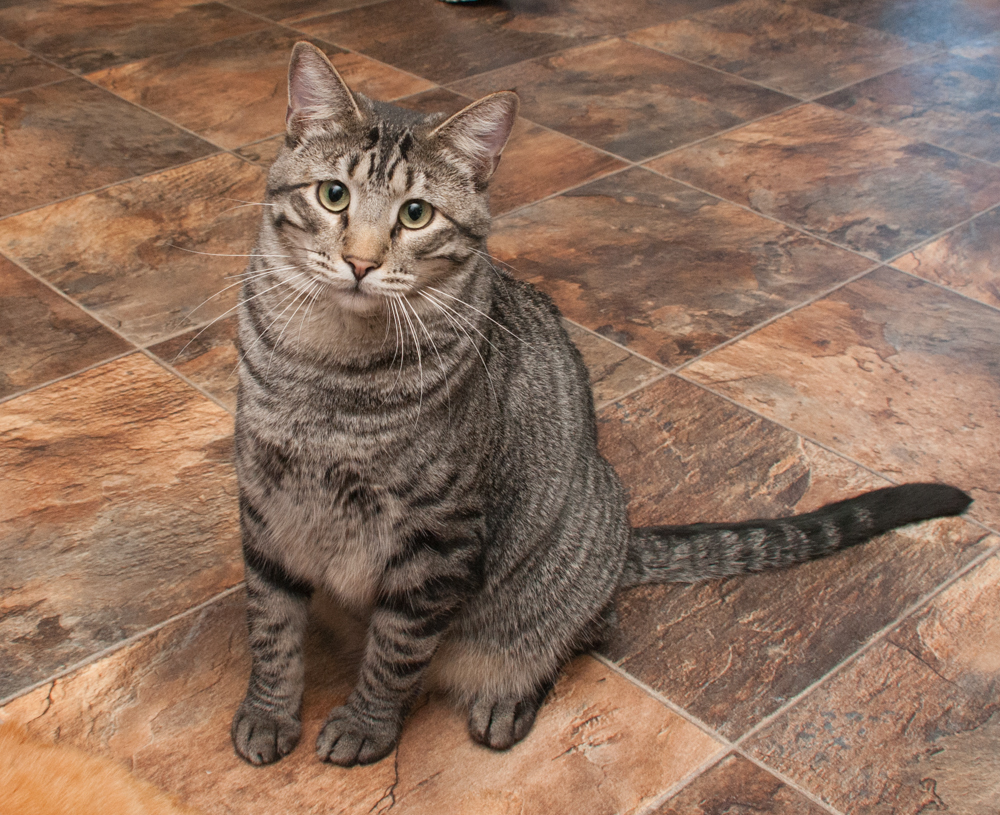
x=316 y=92
x=480 y=131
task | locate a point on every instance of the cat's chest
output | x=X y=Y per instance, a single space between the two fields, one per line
x=332 y=525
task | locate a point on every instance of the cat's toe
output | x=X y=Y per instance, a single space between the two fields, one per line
x=262 y=737
x=502 y=723
x=348 y=739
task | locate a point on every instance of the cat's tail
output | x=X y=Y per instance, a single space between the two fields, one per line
x=687 y=554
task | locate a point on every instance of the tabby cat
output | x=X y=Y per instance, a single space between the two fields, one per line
x=415 y=436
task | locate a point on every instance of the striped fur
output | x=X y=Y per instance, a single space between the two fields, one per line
x=418 y=441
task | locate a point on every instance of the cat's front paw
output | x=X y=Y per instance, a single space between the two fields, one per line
x=262 y=737
x=349 y=738
x=502 y=723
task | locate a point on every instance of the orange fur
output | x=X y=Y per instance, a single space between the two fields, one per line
x=50 y=779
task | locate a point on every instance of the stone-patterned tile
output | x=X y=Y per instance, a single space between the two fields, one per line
x=792 y=50
x=235 y=92
x=600 y=745
x=949 y=101
x=536 y=162
x=663 y=269
x=435 y=40
x=946 y=23
x=913 y=726
x=736 y=786
x=42 y=337
x=119 y=511
x=866 y=187
x=966 y=259
x=898 y=374
x=68 y=137
x=262 y=152
x=733 y=651
x=19 y=69
x=613 y=370
x=290 y=10
x=206 y=356
x=121 y=251
x=87 y=36
x=628 y=99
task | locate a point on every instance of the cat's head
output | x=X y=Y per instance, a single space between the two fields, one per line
x=371 y=200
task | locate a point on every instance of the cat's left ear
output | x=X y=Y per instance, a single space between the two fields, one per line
x=480 y=131
x=316 y=92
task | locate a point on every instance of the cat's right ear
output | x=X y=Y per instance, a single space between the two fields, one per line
x=317 y=95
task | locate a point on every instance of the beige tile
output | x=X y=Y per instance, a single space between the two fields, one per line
x=892 y=371
x=600 y=745
x=118 y=511
x=152 y=256
x=913 y=725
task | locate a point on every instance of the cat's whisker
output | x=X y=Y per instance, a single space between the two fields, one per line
x=315 y=293
x=420 y=362
x=305 y=296
x=472 y=342
x=430 y=339
x=260 y=336
x=221 y=255
x=462 y=317
x=224 y=314
x=487 y=316
x=491 y=258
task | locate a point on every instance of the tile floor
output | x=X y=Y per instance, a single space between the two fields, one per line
x=774 y=230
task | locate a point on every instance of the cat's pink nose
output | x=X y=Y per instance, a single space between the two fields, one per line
x=360 y=266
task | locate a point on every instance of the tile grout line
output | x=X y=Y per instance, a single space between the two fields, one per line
x=677 y=787
x=790 y=782
x=117 y=646
x=11 y=397
x=127 y=180
x=765 y=323
x=134 y=346
x=663 y=700
x=598 y=407
x=170 y=369
x=875 y=639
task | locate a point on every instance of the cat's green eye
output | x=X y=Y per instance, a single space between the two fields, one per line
x=334 y=196
x=415 y=214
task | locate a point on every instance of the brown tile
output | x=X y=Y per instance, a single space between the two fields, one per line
x=626 y=98
x=436 y=40
x=951 y=23
x=949 y=101
x=119 y=511
x=865 y=187
x=234 y=92
x=613 y=370
x=898 y=374
x=913 y=725
x=262 y=152
x=206 y=356
x=663 y=269
x=121 y=251
x=736 y=786
x=792 y=50
x=289 y=10
x=600 y=745
x=965 y=259
x=733 y=651
x=536 y=162
x=42 y=337
x=19 y=69
x=86 y=36
x=64 y=138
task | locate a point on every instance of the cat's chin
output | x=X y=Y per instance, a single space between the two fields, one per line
x=360 y=304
